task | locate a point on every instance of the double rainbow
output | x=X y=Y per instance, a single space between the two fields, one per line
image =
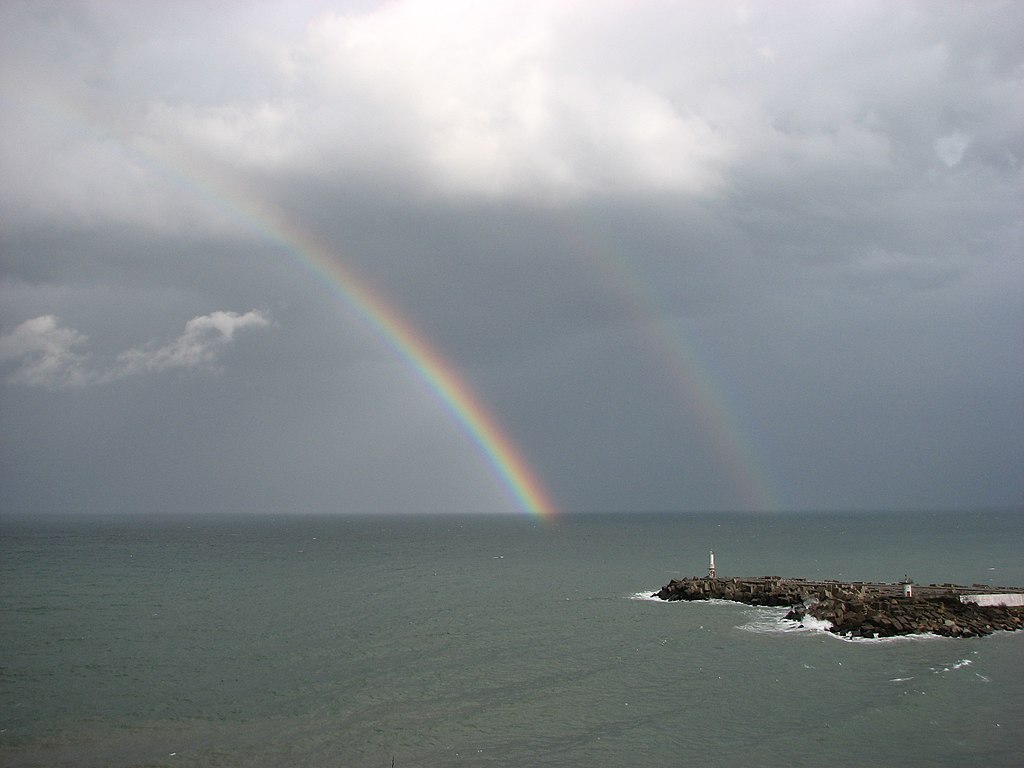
x=695 y=383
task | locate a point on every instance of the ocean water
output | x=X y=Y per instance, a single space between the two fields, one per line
x=488 y=641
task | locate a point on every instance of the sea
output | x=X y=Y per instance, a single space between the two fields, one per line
x=489 y=640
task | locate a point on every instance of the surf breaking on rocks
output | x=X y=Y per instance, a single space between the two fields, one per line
x=866 y=609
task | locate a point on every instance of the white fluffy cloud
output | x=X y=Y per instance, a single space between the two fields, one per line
x=562 y=101
x=47 y=354
x=466 y=98
x=533 y=101
x=950 y=149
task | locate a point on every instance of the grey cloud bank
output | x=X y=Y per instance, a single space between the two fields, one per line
x=691 y=256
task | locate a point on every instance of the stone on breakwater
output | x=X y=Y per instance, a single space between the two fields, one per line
x=884 y=617
x=858 y=609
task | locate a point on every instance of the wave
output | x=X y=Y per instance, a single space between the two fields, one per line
x=952 y=667
x=647 y=595
x=651 y=596
x=765 y=620
x=772 y=620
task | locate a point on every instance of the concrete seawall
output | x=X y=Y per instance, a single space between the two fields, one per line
x=1014 y=600
x=869 y=609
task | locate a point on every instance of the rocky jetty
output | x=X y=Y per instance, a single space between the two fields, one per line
x=863 y=609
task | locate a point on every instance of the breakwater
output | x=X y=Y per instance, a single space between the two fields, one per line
x=868 y=609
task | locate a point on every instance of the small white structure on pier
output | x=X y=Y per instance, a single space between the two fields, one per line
x=711 y=565
x=908 y=587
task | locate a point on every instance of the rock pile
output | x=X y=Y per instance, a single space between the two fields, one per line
x=889 y=616
x=765 y=591
x=857 y=609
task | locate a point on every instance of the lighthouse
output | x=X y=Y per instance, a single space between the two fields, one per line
x=711 y=564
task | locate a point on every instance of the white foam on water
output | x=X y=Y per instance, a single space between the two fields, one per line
x=815 y=625
x=774 y=621
x=848 y=638
x=653 y=595
x=952 y=667
x=648 y=595
x=771 y=621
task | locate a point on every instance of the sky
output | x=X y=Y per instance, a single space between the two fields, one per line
x=513 y=256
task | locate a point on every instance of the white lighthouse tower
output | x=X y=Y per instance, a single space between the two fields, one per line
x=711 y=565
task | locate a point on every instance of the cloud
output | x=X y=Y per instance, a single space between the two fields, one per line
x=576 y=203
x=531 y=101
x=47 y=356
x=950 y=149
x=46 y=353
x=564 y=102
x=463 y=98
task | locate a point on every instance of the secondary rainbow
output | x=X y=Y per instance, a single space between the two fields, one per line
x=704 y=394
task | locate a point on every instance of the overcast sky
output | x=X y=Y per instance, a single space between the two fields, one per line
x=689 y=255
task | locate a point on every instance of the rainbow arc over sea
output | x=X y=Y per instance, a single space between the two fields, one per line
x=325 y=263
x=476 y=421
x=683 y=364
x=698 y=389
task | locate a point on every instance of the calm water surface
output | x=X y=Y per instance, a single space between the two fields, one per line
x=442 y=641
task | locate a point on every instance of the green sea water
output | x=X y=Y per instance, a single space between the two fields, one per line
x=488 y=640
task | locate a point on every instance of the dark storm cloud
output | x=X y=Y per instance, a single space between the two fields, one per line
x=590 y=209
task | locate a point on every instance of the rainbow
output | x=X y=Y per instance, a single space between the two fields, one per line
x=695 y=383
x=499 y=451
x=685 y=367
